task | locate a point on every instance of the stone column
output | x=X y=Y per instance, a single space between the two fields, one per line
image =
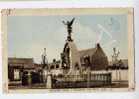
x=49 y=81
x=29 y=78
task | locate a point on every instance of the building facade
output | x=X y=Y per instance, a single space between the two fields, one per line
x=94 y=58
x=16 y=66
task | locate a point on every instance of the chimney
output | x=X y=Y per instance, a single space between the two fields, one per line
x=98 y=45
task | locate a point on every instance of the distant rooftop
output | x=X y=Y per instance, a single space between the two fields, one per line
x=20 y=60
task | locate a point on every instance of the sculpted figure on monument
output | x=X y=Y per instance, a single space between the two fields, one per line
x=69 y=28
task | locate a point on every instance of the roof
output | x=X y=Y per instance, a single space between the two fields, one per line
x=26 y=62
x=85 y=52
x=20 y=60
x=91 y=51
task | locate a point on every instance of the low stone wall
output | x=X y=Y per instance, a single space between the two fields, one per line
x=82 y=81
x=119 y=75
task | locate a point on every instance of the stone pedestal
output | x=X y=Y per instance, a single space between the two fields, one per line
x=74 y=57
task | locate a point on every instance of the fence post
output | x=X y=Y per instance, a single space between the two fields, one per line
x=89 y=78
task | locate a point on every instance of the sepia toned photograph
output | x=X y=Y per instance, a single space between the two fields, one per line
x=77 y=49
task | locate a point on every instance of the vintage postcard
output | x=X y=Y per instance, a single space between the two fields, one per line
x=68 y=50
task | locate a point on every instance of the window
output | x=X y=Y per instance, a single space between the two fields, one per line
x=52 y=67
x=87 y=60
x=57 y=66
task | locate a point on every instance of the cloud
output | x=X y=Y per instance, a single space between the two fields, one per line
x=52 y=37
x=84 y=35
x=104 y=30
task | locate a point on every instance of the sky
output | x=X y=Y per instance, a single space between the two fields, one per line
x=29 y=35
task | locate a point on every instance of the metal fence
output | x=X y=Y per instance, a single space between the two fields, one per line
x=82 y=81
